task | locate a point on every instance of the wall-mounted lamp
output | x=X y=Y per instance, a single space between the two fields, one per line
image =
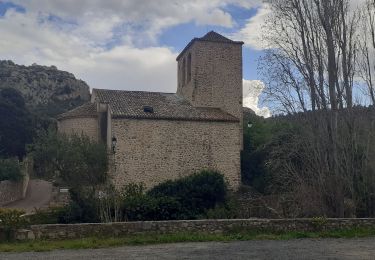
x=114 y=143
x=249 y=124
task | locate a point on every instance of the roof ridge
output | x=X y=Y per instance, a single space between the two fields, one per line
x=211 y=36
x=214 y=36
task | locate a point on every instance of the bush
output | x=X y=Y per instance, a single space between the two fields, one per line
x=143 y=207
x=52 y=215
x=195 y=194
x=83 y=207
x=227 y=210
x=10 y=170
x=188 y=198
x=10 y=221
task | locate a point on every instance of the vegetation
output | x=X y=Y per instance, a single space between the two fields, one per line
x=200 y=195
x=10 y=169
x=194 y=194
x=143 y=239
x=16 y=124
x=77 y=160
x=316 y=159
x=10 y=221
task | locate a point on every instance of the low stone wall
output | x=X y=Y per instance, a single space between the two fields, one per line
x=208 y=226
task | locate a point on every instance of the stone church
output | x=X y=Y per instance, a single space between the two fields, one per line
x=154 y=137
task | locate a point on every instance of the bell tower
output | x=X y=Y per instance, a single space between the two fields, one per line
x=210 y=73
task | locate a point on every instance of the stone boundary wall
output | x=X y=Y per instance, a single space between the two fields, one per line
x=70 y=231
x=12 y=191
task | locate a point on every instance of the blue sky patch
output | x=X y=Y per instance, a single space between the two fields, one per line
x=5 y=6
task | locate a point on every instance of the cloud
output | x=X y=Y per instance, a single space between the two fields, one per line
x=137 y=18
x=109 y=44
x=251 y=33
x=251 y=92
x=26 y=40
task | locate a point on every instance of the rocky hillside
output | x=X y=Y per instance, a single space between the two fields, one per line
x=45 y=89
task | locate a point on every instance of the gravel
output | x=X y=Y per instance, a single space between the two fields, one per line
x=363 y=248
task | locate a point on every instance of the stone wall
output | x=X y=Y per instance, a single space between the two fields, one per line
x=208 y=226
x=87 y=126
x=153 y=151
x=11 y=191
x=216 y=80
x=216 y=77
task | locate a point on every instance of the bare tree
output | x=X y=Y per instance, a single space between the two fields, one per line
x=367 y=49
x=310 y=66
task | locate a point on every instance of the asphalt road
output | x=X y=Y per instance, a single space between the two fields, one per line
x=292 y=249
x=38 y=195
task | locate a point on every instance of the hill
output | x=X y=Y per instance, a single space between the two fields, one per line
x=46 y=90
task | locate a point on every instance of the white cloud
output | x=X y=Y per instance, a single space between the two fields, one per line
x=25 y=40
x=251 y=33
x=140 y=18
x=251 y=92
x=109 y=44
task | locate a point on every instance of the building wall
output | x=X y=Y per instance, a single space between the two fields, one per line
x=87 y=126
x=216 y=76
x=153 y=151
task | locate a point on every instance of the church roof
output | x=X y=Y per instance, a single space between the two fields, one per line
x=86 y=110
x=209 y=37
x=215 y=37
x=132 y=104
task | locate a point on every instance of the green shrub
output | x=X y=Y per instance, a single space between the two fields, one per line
x=52 y=215
x=83 y=207
x=10 y=169
x=10 y=221
x=195 y=194
x=227 y=210
x=143 y=207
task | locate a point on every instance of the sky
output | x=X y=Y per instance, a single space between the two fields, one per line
x=128 y=44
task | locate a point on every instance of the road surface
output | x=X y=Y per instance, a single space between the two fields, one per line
x=363 y=248
x=38 y=195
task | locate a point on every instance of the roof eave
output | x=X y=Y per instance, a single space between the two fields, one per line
x=234 y=120
x=59 y=118
x=203 y=40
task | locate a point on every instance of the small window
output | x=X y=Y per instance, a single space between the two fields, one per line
x=148 y=109
x=183 y=76
x=189 y=68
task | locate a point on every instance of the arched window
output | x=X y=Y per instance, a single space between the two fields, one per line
x=189 y=68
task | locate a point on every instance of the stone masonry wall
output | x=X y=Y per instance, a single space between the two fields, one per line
x=153 y=151
x=71 y=231
x=11 y=191
x=216 y=77
x=87 y=126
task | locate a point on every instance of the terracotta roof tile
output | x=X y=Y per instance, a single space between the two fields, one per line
x=209 y=37
x=130 y=104
x=86 y=110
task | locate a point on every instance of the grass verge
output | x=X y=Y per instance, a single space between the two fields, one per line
x=143 y=239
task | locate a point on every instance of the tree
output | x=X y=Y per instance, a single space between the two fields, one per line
x=16 y=124
x=366 y=62
x=310 y=67
x=77 y=160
